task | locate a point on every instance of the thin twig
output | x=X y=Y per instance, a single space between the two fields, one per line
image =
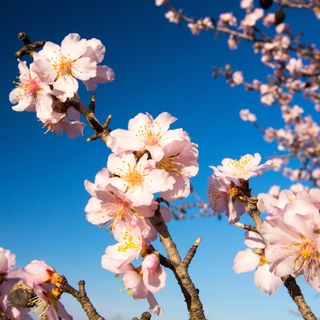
x=83 y=299
x=192 y=251
x=247 y=227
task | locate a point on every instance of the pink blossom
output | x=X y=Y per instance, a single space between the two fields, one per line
x=110 y=206
x=233 y=42
x=237 y=78
x=96 y=51
x=32 y=92
x=138 y=180
x=7 y=311
x=245 y=4
x=251 y=18
x=195 y=28
x=277 y=163
x=153 y=275
x=254 y=259
x=294 y=66
x=269 y=19
x=38 y=272
x=244 y=168
x=160 y=2
x=66 y=64
x=146 y=133
x=133 y=281
x=47 y=306
x=68 y=123
x=221 y=200
x=41 y=277
x=274 y=191
x=7 y=261
x=173 y=16
x=246 y=115
x=293 y=244
x=227 y=19
x=180 y=161
x=118 y=257
x=267 y=99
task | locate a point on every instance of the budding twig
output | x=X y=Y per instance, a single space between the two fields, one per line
x=83 y=299
x=101 y=131
x=192 y=251
x=245 y=226
x=29 y=47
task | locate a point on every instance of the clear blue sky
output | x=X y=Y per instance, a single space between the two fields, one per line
x=159 y=67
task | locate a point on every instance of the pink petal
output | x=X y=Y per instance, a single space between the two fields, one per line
x=123 y=140
x=72 y=47
x=245 y=261
x=180 y=190
x=65 y=87
x=104 y=75
x=84 y=68
x=95 y=50
x=253 y=240
x=265 y=280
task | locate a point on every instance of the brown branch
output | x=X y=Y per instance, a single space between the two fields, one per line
x=191 y=294
x=192 y=251
x=166 y=262
x=295 y=293
x=298 y=5
x=245 y=226
x=303 y=50
x=101 y=131
x=83 y=299
x=252 y=209
x=145 y=316
x=29 y=47
x=213 y=27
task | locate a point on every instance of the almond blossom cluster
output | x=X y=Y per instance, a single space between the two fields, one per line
x=147 y=159
x=287 y=242
x=41 y=278
x=49 y=85
x=294 y=69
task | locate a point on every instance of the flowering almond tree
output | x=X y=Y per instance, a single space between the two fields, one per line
x=151 y=163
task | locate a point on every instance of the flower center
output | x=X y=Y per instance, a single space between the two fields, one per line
x=240 y=165
x=307 y=258
x=31 y=86
x=151 y=139
x=170 y=165
x=64 y=67
x=134 y=178
x=128 y=243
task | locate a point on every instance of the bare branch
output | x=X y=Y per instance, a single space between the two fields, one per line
x=82 y=298
x=191 y=294
x=192 y=251
x=245 y=226
x=295 y=293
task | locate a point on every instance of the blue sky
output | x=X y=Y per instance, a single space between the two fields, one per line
x=159 y=67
